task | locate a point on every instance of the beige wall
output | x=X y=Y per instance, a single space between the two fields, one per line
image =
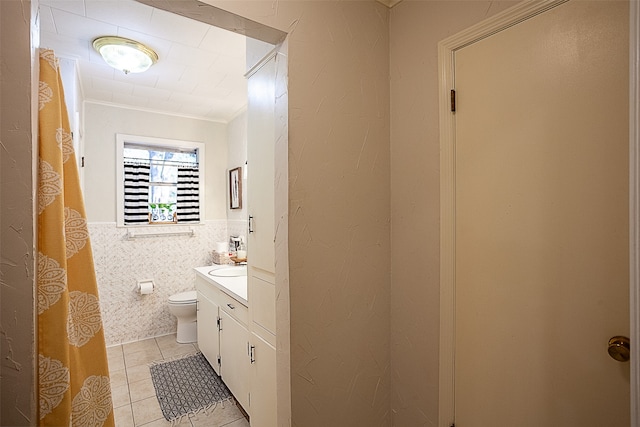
x=340 y=203
x=415 y=29
x=17 y=231
x=338 y=207
x=103 y=122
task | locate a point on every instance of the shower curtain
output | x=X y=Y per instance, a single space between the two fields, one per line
x=73 y=377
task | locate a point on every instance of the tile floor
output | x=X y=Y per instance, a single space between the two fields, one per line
x=134 y=399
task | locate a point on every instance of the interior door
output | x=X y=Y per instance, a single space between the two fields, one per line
x=541 y=222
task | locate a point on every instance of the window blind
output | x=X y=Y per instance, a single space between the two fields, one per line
x=136 y=193
x=188 y=206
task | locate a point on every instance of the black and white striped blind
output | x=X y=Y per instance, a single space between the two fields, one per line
x=188 y=203
x=136 y=193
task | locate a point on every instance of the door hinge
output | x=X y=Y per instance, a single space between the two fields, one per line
x=453 y=100
x=219 y=360
x=219 y=323
x=82 y=161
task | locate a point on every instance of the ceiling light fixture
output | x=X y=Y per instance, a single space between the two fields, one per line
x=125 y=55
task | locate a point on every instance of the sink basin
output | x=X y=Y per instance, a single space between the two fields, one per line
x=229 y=271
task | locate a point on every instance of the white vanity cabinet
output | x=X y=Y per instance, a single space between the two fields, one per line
x=223 y=337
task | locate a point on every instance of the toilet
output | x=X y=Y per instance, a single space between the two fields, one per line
x=183 y=306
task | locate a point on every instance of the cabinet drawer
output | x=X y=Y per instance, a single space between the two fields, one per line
x=234 y=308
x=208 y=290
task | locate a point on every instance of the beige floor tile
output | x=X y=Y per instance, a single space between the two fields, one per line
x=177 y=350
x=134 y=395
x=165 y=341
x=120 y=395
x=123 y=416
x=146 y=410
x=115 y=360
x=164 y=423
x=183 y=422
x=169 y=342
x=118 y=378
x=138 y=373
x=114 y=350
x=137 y=346
x=141 y=390
x=238 y=423
x=224 y=413
x=159 y=423
x=142 y=357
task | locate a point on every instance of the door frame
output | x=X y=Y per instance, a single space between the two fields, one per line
x=634 y=206
x=446 y=51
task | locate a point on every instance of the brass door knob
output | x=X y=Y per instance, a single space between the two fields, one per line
x=619 y=348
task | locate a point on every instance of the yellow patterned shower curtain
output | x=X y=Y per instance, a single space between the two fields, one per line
x=73 y=376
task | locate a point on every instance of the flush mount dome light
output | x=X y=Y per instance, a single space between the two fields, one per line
x=125 y=55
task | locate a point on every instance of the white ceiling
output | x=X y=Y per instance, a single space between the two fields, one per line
x=199 y=73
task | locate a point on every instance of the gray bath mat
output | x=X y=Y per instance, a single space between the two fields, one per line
x=187 y=385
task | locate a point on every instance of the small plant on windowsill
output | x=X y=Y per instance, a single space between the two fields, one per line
x=162 y=213
x=169 y=212
x=153 y=214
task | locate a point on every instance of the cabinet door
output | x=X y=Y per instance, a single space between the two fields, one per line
x=261 y=161
x=262 y=294
x=208 y=338
x=234 y=358
x=261 y=259
x=263 y=384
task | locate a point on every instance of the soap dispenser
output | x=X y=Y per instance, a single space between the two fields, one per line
x=241 y=253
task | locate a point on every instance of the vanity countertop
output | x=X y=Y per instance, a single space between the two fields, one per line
x=235 y=287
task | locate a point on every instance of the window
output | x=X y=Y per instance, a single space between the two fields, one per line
x=160 y=181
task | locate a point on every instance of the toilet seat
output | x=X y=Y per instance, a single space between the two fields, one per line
x=188 y=297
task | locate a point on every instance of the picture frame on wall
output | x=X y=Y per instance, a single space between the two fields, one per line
x=235 y=188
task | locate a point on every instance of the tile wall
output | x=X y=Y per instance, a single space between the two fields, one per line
x=120 y=262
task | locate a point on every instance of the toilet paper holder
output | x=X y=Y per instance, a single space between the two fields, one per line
x=145 y=287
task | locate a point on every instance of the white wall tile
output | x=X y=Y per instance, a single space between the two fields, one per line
x=169 y=261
